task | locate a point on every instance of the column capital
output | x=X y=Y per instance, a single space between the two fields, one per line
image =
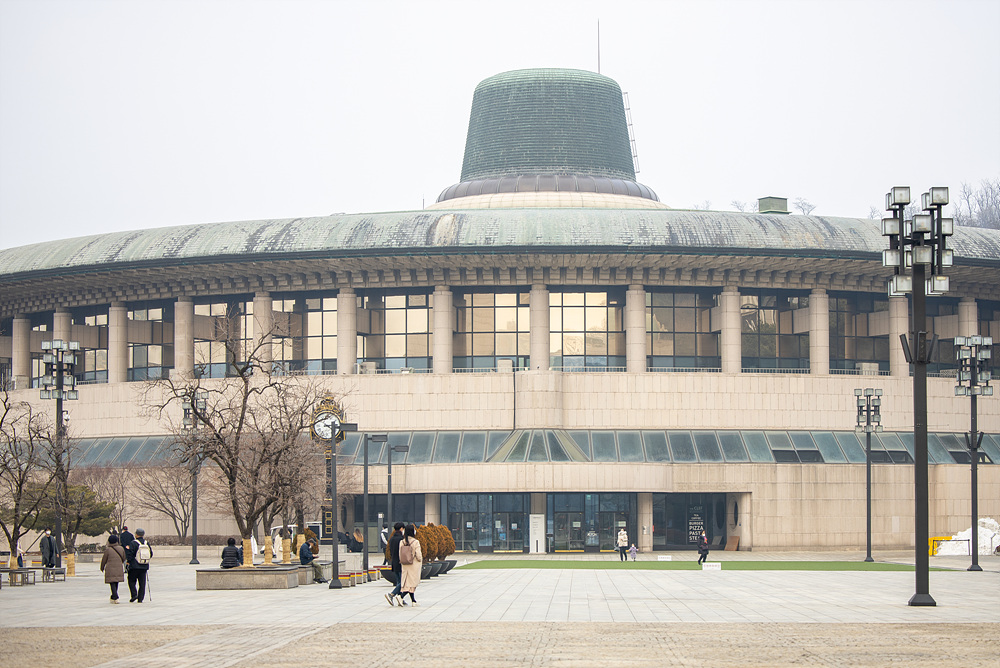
x=185 y=299
x=117 y=305
x=262 y=295
x=818 y=291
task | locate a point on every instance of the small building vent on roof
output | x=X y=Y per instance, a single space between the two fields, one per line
x=772 y=205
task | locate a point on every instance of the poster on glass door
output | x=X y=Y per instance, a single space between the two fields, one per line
x=696 y=523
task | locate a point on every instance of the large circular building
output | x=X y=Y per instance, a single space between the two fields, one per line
x=564 y=354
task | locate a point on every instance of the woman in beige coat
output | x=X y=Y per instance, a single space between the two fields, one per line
x=113 y=565
x=411 y=572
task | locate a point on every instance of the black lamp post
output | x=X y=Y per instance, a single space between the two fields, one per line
x=191 y=424
x=369 y=438
x=918 y=246
x=392 y=448
x=60 y=360
x=974 y=353
x=869 y=420
x=336 y=436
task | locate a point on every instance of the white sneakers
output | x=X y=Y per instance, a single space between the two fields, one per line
x=399 y=601
x=389 y=598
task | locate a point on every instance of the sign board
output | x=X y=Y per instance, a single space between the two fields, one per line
x=536 y=533
x=696 y=523
x=664 y=557
x=711 y=566
x=327 y=512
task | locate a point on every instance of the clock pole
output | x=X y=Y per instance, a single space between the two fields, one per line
x=336 y=436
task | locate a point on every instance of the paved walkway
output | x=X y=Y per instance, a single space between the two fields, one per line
x=763 y=610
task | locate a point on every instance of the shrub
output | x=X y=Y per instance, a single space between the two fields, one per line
x=428 y=542
x=448 y=542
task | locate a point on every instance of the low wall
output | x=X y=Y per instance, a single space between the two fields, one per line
x=272 y=577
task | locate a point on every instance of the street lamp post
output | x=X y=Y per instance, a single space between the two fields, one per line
x=60 y=360
x=369 y=438
x=918 y=246
x=869 y=420
x=336 y=436
x=392 y=448
x=974 y=353
x=191 y=411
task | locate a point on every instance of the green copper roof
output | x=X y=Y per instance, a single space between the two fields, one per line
x=547 y=121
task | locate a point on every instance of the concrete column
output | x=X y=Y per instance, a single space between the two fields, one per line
x=730 y=342
x=442 y=330
x=899 y=323
x=184 y=338
x=117 y=343
x=968 y=317
x=62 y=324
x=819 y=332
x=263 y=325
x=635 y=329
x=21 y=353
x=347 y=331
x=645 y=521
x=432 y=508
x=538 y=302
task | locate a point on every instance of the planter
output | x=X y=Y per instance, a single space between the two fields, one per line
x=449 y=564
x=388 y=575
x=425 y=571
x=436 y=567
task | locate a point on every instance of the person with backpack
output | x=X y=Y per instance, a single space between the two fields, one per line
x=411 y=559
x=139 y=554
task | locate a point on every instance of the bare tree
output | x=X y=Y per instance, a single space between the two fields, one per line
x=875 y=213
x=248 y=424
x=979 y=207
x=739 y=205
x=26 y=475
x=804 y=206
x=111 y=485
x=704 y=206
x=166 y=490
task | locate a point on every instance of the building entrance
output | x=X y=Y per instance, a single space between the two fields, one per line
x=610 y=523
x=581 y=522
x=464 y=530
x=679 y=519
x=487 y=522
x=568 y=532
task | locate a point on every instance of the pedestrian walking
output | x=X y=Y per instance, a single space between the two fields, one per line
x=138 y=553
x=125 y=538
x=49 y=548
x=113 y=566
x=383 y=542
x=622 y=544
x=397 y=568
x=702 y=548
x=632 y=551
x=409 y=551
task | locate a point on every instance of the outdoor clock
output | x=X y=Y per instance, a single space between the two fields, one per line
x=326 y=423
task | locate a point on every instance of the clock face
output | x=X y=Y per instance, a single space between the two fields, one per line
x=326 y=426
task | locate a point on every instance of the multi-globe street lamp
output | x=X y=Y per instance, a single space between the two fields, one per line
x=869 y=419
x=974 y=354
x=918 y=254
x=194 y=406
x=60 y=360
x=369 y=438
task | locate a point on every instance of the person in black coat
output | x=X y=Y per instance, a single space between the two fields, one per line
x=125 y=538
x=136 y=571
x=231 y=555
x=49 y=548
x=702 y=548
x=306 y=557
x=397 y=567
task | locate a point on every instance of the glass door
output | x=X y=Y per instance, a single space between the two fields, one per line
x=569 y=531
x=464 y=531
x=608 y=525
x=508 y=532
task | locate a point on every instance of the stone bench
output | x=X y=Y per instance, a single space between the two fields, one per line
x=18 y=577
x=53 y=574
x=306 y=571
x=260 y=577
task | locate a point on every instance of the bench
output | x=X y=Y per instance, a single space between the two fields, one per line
x=306 y=571
x=53 y=574
x=259 y=577
x=18 y=577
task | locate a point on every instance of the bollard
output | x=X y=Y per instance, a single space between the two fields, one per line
x=71 y=564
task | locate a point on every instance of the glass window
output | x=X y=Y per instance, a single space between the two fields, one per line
x=656 y=446
x=708 y=446
x=757 y=446
x=556 y=451
x=991 y=446
x=494 y=326
x=604 y=446
x=851 y=446
x=769 y=340
x=828 y=446
x=520 y=449
x=496 y=439
x=679 y=331
x=537 y=452
x=473 y=446
x=582 y=439
x=937 y=450
x=394 y=330
x=732 y=446
x=681 y=446
x=802 y=440
x=446 y=450
x=421 y=447
x=630 y=446
x=586 y=329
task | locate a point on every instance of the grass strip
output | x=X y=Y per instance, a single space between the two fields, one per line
x=692 y=565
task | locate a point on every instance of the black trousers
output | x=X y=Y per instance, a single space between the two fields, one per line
x=622 y=553
x=114 y=591
x=137 y=578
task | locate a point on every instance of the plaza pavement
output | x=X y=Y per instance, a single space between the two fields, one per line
x=527 y=617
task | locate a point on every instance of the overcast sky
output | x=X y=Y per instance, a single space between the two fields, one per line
x=128 y=114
